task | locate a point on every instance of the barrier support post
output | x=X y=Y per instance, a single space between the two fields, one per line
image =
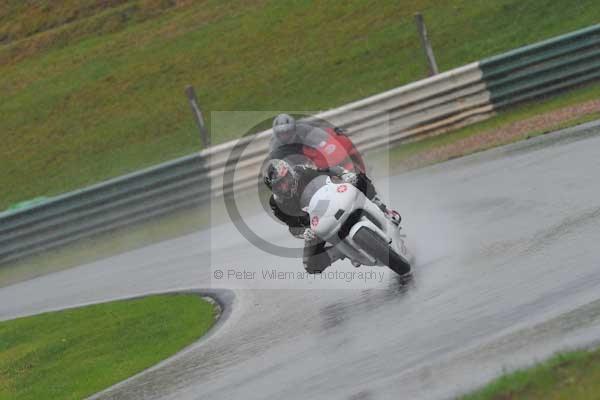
x=191 y=95
x=433 y=68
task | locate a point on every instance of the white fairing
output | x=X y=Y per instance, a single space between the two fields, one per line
x=326 y=202
x=343 y=199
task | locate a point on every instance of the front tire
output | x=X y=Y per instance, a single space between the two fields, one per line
x=378 y=248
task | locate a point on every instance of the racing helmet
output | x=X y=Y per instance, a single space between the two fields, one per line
x=284 y=128
x=281 y=178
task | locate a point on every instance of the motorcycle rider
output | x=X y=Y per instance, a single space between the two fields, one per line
x=299 y=151
x=326 y=145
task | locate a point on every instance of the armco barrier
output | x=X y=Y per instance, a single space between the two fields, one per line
x=453 y=98
x=543 y=67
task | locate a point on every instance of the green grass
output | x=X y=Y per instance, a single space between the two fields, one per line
x=93 y=89
x=74 y=353
x=569 y=376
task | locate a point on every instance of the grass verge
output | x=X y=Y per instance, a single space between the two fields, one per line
x=74 y=353
x=94 y=89
x=569 y=376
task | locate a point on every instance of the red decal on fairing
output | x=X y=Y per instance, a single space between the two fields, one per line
x=342 y=188
x=314 y=221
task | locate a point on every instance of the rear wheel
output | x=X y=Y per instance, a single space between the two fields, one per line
x=378 y=248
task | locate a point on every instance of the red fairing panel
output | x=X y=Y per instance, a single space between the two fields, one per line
x=336 y=150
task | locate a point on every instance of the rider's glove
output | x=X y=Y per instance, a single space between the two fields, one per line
x=350 y=178
x=309 y=235
x=297 y=231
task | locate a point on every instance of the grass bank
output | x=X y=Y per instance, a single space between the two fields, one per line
x=74 y=353
x=93 y=89
x=569 y=376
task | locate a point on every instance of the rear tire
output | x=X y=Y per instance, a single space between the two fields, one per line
x=379 y=249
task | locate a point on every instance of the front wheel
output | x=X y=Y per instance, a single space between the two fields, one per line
x=378 y=248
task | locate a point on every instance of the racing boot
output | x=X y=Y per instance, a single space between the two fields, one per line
x=392 y=215
x=334 y=254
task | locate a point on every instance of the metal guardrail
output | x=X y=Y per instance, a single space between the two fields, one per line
x=544 y=67
x=446 y=100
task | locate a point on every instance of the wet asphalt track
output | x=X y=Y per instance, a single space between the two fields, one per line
x=508 y=271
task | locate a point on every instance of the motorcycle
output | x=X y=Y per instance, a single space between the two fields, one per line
x=354 y=226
